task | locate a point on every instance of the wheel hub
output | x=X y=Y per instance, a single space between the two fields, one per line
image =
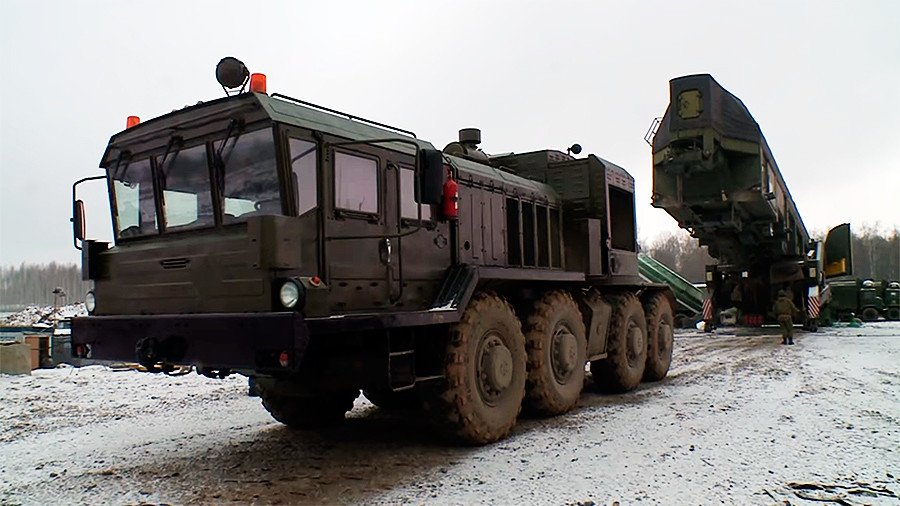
x=564 y=353
x=635 y=343
x=664 y=336
x=496 y=367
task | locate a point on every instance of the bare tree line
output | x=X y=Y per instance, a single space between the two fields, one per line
x=35 y=283
x=681 y=253
x=876 y=253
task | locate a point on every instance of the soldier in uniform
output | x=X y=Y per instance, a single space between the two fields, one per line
x=784 y=310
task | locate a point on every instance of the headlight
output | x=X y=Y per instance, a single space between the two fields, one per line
x=90 y=302
x=289 y=294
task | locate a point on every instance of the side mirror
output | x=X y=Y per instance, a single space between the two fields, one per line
x=78 y=220
x=429 y=188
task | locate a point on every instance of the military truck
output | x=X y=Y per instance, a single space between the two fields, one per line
x=714 y=172
x=890 y=294
x=321 y=254
x=864 y=298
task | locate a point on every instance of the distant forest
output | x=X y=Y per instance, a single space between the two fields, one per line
x=876 y=255
x=35 y=283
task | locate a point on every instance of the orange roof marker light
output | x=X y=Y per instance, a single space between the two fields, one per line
x=132 y=121
x=258 y=83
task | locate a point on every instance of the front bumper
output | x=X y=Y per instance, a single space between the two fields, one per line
x=243 y=341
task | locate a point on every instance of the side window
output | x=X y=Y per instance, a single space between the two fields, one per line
x=303 y=174
x=408 y=196
x=355 y=183
x=186 y=193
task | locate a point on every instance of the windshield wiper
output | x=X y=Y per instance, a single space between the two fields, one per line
x=162 y=162
x=122 y=156
x=219 y=161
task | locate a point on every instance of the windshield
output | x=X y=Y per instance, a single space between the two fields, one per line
x=135 y=208
x=249 y=175
x=186 y=192
x=188 y=187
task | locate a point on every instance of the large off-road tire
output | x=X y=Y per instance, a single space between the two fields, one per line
x=484 y=373
x=623 y=367
x=388 y=399
x=893 y=313
x=660 y=337
x=556 y=347
x=869 y=314
x=811 y=325
x=301 y=408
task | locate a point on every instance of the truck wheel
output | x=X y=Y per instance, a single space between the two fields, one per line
x=299 y=408
x=623 y=367
x=484 y=373
x=893 y=313
x=388 y=399
x=556 y=349
x=660 y=337
x=870 y=314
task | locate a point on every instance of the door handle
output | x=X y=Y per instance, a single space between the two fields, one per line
x=385 y=250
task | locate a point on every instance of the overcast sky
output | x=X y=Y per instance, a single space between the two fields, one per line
x=822 y=78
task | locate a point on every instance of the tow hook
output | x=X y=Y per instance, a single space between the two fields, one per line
x=157 y=356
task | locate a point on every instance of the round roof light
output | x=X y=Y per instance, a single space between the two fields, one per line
x=231 y=72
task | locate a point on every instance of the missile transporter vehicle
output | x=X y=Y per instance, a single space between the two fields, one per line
x=714 y=172
x=321 y=254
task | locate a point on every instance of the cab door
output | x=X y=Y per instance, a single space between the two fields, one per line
x=360 y=255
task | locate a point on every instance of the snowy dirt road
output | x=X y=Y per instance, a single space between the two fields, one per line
x=740 y=420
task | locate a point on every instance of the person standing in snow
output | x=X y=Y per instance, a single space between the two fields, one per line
x=737 y=297
x=784 y=310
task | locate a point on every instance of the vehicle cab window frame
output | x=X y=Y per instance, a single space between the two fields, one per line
x=225 y=189
x=164 y=164
x=353 y=162
x=210 y=136
x=304 y=176
x=119 y=170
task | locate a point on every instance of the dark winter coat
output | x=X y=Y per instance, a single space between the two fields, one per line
x=784 y=307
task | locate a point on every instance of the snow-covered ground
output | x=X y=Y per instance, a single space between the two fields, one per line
x=42 y=315
x=740 y=420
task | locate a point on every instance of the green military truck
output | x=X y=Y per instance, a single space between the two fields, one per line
x=890 y=294
x=864 y=298
x=322 y=254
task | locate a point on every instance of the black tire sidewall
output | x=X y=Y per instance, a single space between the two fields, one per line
x=870 y=314
x=615 y=373
x=546 y=396
x=658 y=360
x=510 y=334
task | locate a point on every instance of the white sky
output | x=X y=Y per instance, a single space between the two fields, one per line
x=822 y=78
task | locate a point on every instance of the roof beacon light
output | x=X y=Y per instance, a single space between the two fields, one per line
x=258 y=83
x=132 y=121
